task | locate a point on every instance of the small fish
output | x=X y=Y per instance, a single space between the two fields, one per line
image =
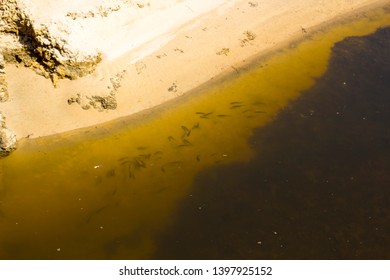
x=260 y=112
x=144 y=156
x=96 y=212
x=98 y=179
x=222 y=116
x=236 y=103
x=157 y=155
x=195 y=126
x=125 y=162
x=187 y=131
x=198 y=158
x=203 y=113
x=138 y=163
x=141 y=148
x=171 y=139
x=186 y=143
x=206 y=115
x=236 y=106
x=111 y=173
x=123 y=159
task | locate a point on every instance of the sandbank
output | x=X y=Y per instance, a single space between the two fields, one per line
x=160 y=62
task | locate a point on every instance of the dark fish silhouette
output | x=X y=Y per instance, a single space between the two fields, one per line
x=187 y=132
x=195 y=126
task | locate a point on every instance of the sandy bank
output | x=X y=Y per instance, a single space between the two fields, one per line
x=158 y=56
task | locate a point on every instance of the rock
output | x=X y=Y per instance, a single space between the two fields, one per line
x=101 y=103
x=3 y=82
x=7 y=141
x=7 y=138
x=3 y=90
x=52 y=43
x=9 y=16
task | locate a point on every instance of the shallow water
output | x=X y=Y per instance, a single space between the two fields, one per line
x=147 y=187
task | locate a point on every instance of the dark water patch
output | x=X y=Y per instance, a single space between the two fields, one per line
x=319 y=186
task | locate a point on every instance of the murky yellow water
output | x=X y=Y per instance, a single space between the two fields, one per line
x=108 y=192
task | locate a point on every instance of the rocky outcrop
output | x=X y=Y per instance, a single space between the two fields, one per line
x=9 y=16
x=64 y=39
x=47 y=43
x=7 y=138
